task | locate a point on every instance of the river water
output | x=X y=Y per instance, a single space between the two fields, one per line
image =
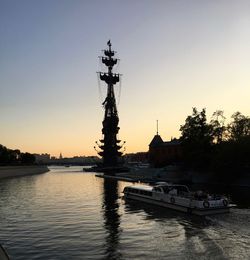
x=69 y=214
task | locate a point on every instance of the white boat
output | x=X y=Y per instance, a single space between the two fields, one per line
x=179 y=197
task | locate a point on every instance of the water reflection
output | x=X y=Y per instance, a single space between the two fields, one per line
x=70 y=215
x=161 y=214
x=111 y=218
x=188 y=233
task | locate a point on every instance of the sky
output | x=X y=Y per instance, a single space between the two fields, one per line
x=174 y=55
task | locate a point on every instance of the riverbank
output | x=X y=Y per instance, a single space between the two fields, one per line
x=171 y=174
x=176 y=175
x=150 y=175
x=18 y=171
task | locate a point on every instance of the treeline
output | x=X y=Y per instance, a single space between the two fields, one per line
x=216 y=146
x=15 y=157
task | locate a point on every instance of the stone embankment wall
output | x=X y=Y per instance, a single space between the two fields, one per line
x=16 y=171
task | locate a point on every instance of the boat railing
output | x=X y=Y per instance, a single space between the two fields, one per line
x=185 y=194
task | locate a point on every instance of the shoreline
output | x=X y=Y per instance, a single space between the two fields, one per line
x=154 y=176
x=19 y=171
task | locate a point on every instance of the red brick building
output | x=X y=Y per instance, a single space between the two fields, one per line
x=164 y=153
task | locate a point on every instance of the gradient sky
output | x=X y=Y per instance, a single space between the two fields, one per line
x=175 y=55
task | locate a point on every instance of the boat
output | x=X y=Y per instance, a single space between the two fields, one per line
x=179 y=197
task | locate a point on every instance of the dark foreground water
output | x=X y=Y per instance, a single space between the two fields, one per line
x=68 y=214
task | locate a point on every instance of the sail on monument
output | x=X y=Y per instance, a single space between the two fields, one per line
x=110 y=146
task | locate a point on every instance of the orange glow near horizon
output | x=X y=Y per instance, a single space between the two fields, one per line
x=175 y=55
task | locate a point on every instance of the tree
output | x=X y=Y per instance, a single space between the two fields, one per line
x=4 y=155
x=215 y=147
x=196 y=139
x=218 y=128
x=27 y=158
x=240 y=127
x=13 y=157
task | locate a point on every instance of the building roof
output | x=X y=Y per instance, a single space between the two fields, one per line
x=172 y=142
x=156 y=141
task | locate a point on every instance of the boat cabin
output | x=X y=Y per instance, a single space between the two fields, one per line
x=173 y=189
x=141 y=190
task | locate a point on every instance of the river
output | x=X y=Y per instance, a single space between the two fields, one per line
x=69 y=214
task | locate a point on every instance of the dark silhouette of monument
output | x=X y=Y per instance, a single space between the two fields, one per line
x=111 y=217
x=110 y=146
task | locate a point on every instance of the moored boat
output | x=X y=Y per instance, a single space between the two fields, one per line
x=179 y=197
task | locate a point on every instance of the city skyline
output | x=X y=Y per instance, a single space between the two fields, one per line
x=175 y=55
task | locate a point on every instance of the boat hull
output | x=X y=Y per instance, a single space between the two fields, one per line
x=174 y=206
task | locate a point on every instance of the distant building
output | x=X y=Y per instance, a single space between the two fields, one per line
x=141 y=157
x=76 y=160
x=164 y=153
x=42 y=158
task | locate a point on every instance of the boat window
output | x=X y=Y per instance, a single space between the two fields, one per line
x=166 y=189
x=146 y=193
x=173 y=191
x=182 y=188
x=157 y=189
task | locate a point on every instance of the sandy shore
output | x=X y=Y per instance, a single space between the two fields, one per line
x=17 y=171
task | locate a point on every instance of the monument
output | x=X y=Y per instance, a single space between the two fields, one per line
x=110 y=146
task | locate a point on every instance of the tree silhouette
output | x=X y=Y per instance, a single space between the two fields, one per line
x=215 y=147
x=240 y=127
x=14 y=157
x=218 y=128
x=196 y=139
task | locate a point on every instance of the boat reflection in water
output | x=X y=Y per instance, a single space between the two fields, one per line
x=111 y=218
x=186 y=236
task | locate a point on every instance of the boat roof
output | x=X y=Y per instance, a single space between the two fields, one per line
x=170 y=185
x=141 y=187
x=150 y=188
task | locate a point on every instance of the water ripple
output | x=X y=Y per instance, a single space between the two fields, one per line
x=68 y=214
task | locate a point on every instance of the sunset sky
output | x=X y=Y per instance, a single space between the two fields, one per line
x=175 y=55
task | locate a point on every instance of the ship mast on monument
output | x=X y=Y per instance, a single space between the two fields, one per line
x=110 y=147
